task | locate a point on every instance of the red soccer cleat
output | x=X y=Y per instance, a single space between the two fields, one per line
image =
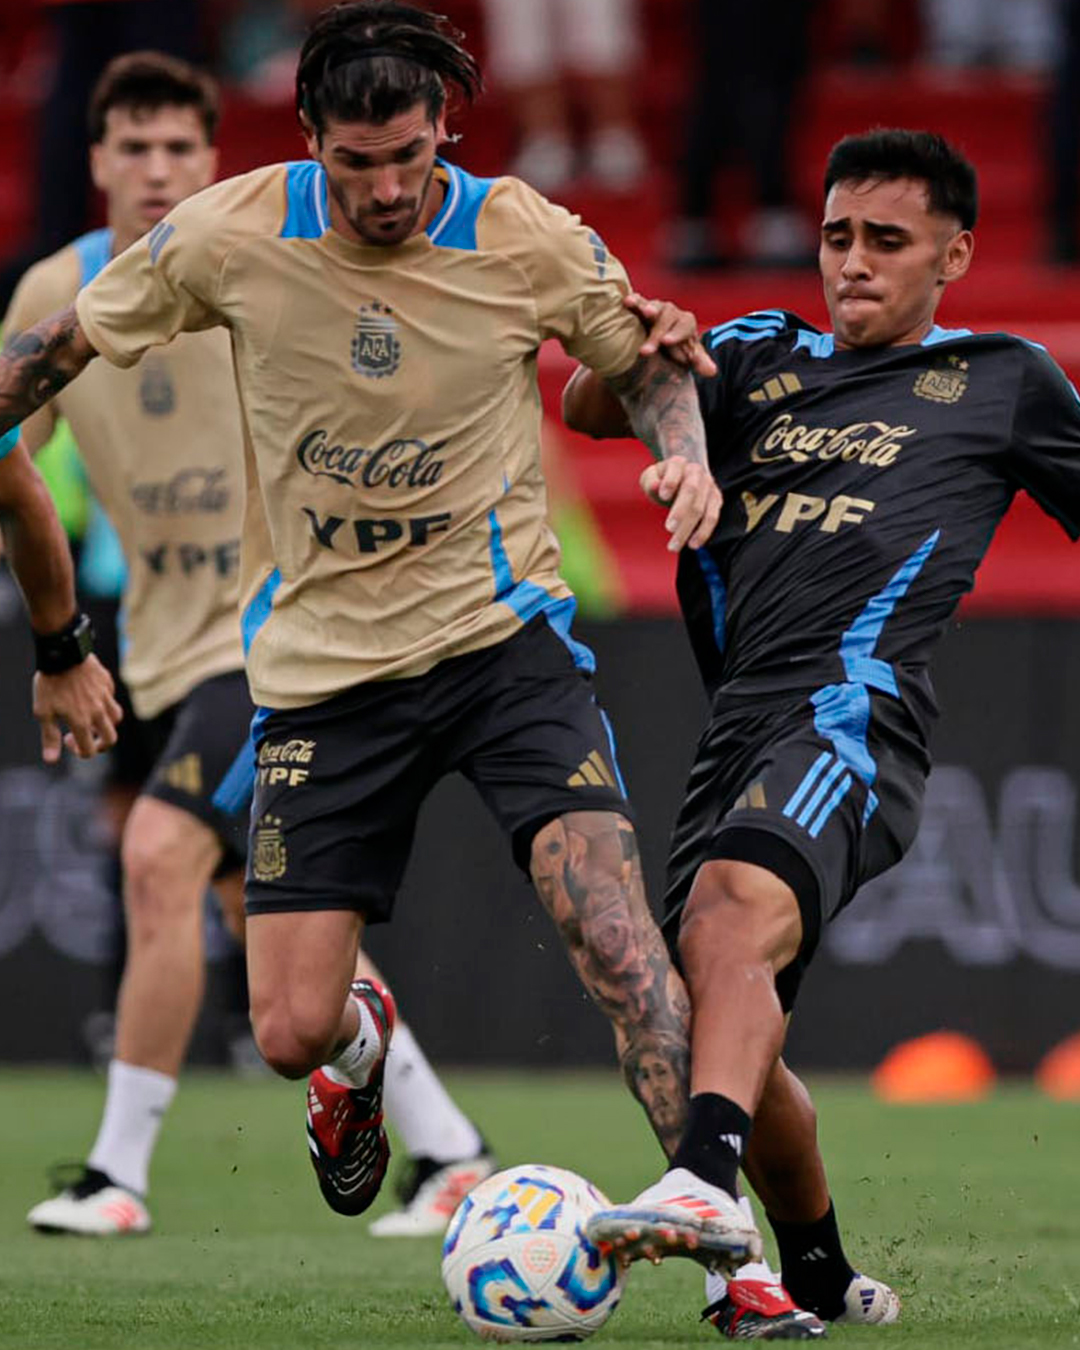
x=349 y=1147
x=755 y=1310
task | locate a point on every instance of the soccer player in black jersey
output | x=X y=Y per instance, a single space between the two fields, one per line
x=864 y=471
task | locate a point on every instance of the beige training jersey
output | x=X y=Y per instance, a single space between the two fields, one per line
x=163 y=450
x=396 y=513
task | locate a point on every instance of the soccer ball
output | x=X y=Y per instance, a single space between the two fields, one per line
x=517 y=1264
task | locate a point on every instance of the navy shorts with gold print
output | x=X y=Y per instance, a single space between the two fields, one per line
x=339 y=784
x=824 y=792
x=203 y=758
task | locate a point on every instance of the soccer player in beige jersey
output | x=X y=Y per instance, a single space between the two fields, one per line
x=402 y=608
x=163 y=449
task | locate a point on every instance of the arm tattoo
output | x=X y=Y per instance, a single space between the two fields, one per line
x=37 y=363
x=587 y=870
x=661 y=402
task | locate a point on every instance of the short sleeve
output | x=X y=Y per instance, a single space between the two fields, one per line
x=8 y=441
x=164 y=284
x=716 y=392
x=1045 y=443
x=577 y=283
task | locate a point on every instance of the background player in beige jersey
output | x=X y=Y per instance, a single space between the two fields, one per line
x=163 y=450
x=161 y=447
x=402 y=605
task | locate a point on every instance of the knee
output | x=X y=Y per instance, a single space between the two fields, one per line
x=738 y=912
x=585 y=865
x=581 y=850
x=158 y=889
x=292 y=1043
x=168 y=858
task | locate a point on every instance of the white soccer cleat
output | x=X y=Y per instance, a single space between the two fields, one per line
x=869 y=1301
x=91 y=1206
x=680 y=1215
x=432 y=1193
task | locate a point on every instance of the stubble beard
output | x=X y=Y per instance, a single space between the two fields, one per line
x=405 y=230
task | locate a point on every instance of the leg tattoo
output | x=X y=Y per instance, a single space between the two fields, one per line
x=587 y=870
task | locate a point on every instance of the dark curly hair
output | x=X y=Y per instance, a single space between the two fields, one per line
x=369 y=60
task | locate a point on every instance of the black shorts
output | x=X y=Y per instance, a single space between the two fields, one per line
x=825 y=794
x=339 y=784
x=203 y=759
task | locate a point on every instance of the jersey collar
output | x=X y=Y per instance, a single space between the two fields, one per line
x=443 y=218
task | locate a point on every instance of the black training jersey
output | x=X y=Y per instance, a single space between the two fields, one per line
x=861 y=490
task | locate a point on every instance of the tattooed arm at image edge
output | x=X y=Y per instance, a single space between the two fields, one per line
x=587 y=870
x=38 y=362
x=661 y=403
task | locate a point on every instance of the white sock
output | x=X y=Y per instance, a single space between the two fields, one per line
x=352 y=1066
x=135 y=1102
x=716 y=1285
x=431 y=1125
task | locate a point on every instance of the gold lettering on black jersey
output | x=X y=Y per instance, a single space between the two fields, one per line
x=875 y=443
x=945 y=382
x=798 y=508
x=780 y=386
x=757 y=506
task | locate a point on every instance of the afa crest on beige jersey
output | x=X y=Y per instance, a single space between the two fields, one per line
x=396 y=512
x=164 y=454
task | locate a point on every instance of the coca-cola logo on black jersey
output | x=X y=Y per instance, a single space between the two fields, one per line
x=875 y=443
x=403 y=463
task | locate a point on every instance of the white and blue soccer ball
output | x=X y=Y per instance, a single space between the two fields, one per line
x=517 y=1264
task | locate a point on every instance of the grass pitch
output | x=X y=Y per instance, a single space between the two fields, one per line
x=971 y=1212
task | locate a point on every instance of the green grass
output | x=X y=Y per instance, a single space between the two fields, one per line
x=971 y=1212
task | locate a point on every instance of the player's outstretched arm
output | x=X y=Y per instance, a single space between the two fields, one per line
x=70 y=686
x=38 y=362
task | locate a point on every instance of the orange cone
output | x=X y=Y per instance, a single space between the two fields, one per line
x=942 y=1067
x=1059 y=1072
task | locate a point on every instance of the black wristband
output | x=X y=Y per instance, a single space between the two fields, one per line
x=56 y=652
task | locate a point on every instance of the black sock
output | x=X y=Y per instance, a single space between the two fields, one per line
x=813 y=1266
x=715 y=1140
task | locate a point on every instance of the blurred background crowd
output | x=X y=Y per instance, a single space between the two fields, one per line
x=703 y=105
x=692 y=134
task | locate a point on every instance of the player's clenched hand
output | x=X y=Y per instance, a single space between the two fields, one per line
x=82 y=699
x=691 y=493
x=671 y=330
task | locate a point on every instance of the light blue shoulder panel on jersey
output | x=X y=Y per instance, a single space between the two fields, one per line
x=938 y=334
x=762 y=323
x=307 y=211
x=102 y=568
x=454 y=225
x=820 y=345
x=8 y=441
x=94 y=250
